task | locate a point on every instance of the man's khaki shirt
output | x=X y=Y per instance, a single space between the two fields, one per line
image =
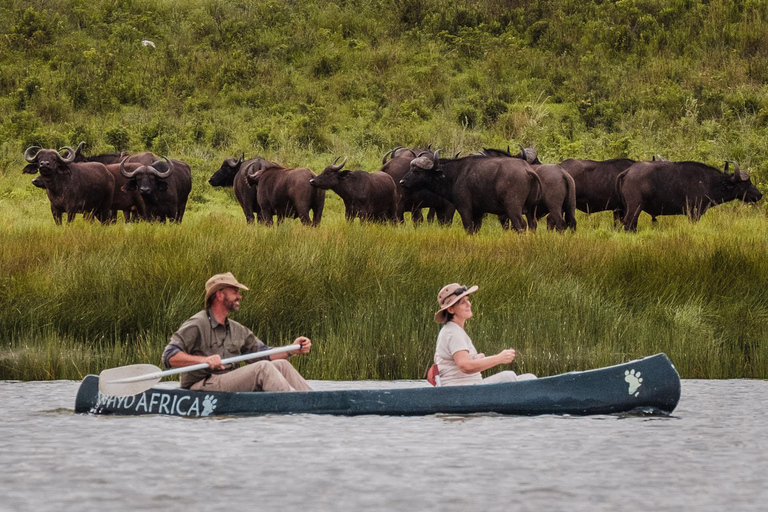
x=202 y=335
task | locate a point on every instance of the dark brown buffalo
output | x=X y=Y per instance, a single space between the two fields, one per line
x=73 y=188
x=286 y=193
x=596 y=184
x=558 y=195
x=477 y=185
x=164 y=187
x=104 y=158
x=367 y=196
x=128 y=202
x=124 y=200
x=680 y=188
x=234 y=173
x=414 y=201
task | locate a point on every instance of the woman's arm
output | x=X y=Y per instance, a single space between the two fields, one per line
x=468 y=365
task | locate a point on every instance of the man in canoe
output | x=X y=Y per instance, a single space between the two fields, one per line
x=209 y=336
x=456 y=357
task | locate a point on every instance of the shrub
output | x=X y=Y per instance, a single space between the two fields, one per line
x=118 y=138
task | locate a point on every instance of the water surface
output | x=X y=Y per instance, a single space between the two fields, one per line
x=710 y=455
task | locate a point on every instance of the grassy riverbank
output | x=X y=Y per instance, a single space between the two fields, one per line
x=86 y=297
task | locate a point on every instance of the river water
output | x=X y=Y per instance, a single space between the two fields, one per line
x=710 y=455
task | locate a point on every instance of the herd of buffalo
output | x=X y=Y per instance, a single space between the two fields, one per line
x=511 y=186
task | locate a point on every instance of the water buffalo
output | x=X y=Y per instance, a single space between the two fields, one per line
x=558 y=195
x=414 y=200
x=73 y=188
x=164 y=187
x=680 y=188
x=128 y=201
x=286 y=193
x=596 y=184
x=234 y=173
x=104 y=158
x=368 y=196
x=477 y=185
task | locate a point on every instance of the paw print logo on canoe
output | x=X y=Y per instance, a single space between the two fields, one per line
x=634 y=380
x=209 y=404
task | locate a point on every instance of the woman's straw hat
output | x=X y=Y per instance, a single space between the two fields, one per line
x=448 y=296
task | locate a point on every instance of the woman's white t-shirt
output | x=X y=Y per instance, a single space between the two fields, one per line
x=452 y=339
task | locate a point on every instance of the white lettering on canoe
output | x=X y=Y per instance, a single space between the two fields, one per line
x=142 y=403
x=178 y=406
x=194 y=407
x=158 y=403
x=164 y=401
x=153 y=400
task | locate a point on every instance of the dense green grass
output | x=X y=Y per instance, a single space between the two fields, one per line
x=85 y=297
x=302 y=82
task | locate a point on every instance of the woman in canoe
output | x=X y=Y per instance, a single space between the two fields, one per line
x=456 y=357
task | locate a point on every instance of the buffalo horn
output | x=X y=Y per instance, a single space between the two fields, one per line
x=242 y=157
x=128 y=174
x=161 y=174
x=70 y=155
x=28 y=156
x=335 y=167
x=436 y=157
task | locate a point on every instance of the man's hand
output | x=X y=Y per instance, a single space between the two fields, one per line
x=214 y=362
x=306 y=345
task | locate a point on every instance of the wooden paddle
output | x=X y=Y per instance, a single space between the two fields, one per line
x=137 y=378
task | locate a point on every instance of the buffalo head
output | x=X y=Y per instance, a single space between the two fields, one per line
x=148 y=179
x=424 y=168
x=331 y=175
x=225 y=176
x=528 y=154
x=48 y=161
x=741 y=184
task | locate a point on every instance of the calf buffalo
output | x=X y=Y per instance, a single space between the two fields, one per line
x=368 y=196
x=164 y=187
x=234 y=173
x=414 y=201
x=477 y=185
x=286 y=193
x=73 y=188
x=680 y=188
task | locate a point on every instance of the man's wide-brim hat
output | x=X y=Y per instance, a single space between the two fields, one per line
x=448 y=296
x=219 y=282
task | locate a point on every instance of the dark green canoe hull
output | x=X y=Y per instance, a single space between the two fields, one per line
x=649 y=385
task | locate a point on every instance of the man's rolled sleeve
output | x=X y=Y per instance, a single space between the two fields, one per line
x=186 y=339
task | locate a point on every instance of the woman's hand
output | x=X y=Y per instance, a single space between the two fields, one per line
x=506 y=356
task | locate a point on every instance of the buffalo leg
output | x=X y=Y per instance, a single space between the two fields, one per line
x=416 y=216
x=57 y=214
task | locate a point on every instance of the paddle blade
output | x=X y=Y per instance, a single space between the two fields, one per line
x=108 y=384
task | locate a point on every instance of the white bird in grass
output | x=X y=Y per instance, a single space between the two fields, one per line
x=147 y=42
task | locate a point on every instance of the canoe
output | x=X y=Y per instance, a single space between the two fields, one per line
x=650 y=385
